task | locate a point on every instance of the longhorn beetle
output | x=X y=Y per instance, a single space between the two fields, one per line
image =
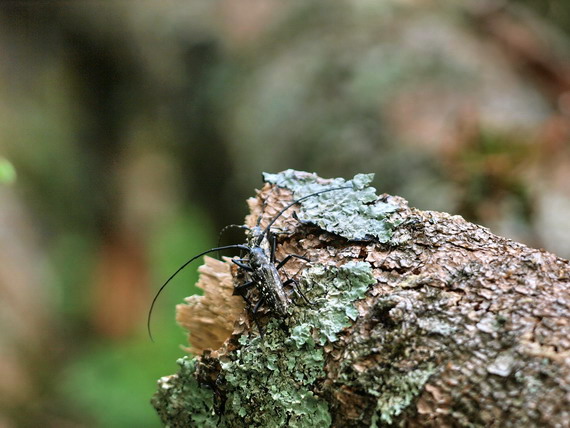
x=259 y=264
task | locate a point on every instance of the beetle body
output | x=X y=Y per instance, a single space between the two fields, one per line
x=265 y=276
x=259 y=266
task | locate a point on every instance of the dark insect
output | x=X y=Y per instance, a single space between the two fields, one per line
x=259 y=265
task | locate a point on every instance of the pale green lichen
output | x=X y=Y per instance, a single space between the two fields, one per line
x=397 y=393
x=269 y=380
x=355 y=214
x=181 y=401
x=333 y=289
x=268 y=383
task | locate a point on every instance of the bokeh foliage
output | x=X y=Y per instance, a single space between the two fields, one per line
x=132 y=131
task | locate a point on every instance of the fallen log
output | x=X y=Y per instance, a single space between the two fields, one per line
x=416 y=318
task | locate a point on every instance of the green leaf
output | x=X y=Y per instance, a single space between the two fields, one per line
x=7 y=172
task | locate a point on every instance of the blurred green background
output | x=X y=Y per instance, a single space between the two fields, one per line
x=132 y=131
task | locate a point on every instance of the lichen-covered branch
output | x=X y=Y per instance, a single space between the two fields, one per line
x=416 y=318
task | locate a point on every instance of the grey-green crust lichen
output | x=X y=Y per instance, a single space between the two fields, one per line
x=181 y=401
x=361 y=216
x=403 y=387
x=270 y=382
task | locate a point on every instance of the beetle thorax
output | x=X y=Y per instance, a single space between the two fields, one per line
x=270 y=285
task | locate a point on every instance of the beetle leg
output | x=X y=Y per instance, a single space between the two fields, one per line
x=298 y=289
x=289 y=257
x=242 y=265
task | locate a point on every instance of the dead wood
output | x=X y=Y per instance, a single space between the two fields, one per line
x=460 y=327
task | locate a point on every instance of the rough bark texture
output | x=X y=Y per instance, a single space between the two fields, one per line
x=441 y=324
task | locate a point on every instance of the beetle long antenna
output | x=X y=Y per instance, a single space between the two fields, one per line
x=258 y=242
x=229 y=226
x=211 y=250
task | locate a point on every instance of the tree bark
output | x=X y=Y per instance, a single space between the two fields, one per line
x=438 y=322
